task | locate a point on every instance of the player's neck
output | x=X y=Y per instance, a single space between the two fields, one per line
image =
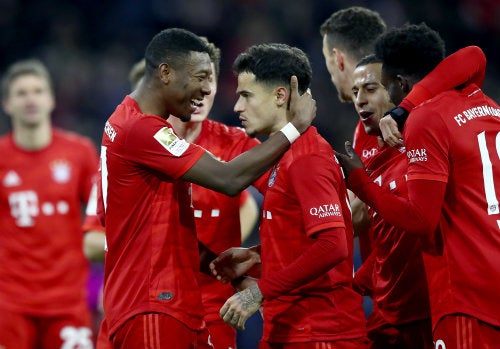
x=32 y=138
x=187 y=130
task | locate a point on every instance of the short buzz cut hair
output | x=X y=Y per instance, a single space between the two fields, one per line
x=354 y=30
x=172 y=46
x=275 y=64
x=413 y=50
x=215 y=55
x=370 y=59
x=24 y=67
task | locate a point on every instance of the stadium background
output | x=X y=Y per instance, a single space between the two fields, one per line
x=90 y=45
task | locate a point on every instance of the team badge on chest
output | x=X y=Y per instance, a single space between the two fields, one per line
x=61 y=171
x=273 y=175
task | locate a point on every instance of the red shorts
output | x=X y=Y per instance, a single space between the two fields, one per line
x=358 y=343
x=63 y=331
x=157 y=331
x=465 y=332
x=222 y=335
x=413 y=335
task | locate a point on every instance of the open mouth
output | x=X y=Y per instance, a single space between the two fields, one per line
x=365 y=115
x=196 y=104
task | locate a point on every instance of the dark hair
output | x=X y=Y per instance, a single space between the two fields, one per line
x=370 y=59
x=354 y=30
x=24 y=67
x=275 y=64
x=214 y=53
x=172 y=46
x=413 y=49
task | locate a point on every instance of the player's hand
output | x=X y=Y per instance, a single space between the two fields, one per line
x=239 y=307
x=349 y=161
x=391 y=124
x=302 y=108
x=233 y=263
x=390 y=132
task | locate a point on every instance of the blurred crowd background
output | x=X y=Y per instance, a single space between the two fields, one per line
x=90 y=45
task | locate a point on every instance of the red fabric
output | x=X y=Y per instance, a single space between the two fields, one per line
x=41 y=199
x=298 y=206
x=24 y=331
x=217 y=216
x=152 y=261
x=465 y=66
x=329 y=249
x=158 y=331
x=453 y=181
x=464 y=332
x=399 y=280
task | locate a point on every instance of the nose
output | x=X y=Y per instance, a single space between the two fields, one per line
x=205 y=88
x=238 y=106
x=360 y=99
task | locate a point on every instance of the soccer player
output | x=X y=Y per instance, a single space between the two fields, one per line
x=395 y=266
x=46 y=176
x=151 y=293
x=219 y=218
x=349 y=35
x=452 y=182
x=305 y=229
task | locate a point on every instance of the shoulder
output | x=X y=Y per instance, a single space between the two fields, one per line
x=72 y=138
x=311 y=142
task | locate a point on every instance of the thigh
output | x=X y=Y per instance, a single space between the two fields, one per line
x=72 y=330
x=153 y=330
x=465 y=332
x=222 y=335
x=17 y=331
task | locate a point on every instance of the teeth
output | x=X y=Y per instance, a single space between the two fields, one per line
x=195 y=102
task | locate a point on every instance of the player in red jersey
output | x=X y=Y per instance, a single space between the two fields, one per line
x=348 y=35
x=452 y=182
x=217 y=216
x=46 y=175
x=305 y=229
x=397 y=270
x=144 y=200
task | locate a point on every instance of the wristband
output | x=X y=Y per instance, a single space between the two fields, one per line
x=290 y=132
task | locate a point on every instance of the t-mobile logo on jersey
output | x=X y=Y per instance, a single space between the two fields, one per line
x=24 y=207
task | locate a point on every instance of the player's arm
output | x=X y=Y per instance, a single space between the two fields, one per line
x=361 y=220
x=467 y=65
x=249 y=213
x=235 y=262
x=419 y=213
x=232 y=177
x=363 y=277
x=329 y=249
x=94 y=242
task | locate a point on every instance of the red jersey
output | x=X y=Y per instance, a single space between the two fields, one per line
x=152 y=261
x=304 y=194
x=363 y=144
x=454 y=139
x=217 y=216
x=398 y=274
x=44 y=271
x=366 y=147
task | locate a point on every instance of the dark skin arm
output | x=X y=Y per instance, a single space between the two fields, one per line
x=232 y=177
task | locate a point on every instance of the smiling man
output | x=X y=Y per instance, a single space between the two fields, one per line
x=151 y=293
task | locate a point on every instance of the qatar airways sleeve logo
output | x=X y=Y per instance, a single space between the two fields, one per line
x=326 y=210
x=417 y=155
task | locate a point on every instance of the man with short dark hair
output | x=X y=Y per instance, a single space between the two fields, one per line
x=151 y=294
x=453 y=180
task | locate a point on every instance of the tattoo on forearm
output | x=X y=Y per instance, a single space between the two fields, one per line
x=250 y=297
